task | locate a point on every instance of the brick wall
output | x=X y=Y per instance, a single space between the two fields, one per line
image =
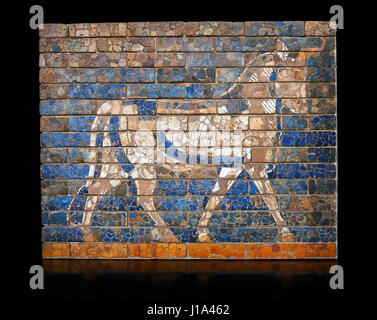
x=188 y=140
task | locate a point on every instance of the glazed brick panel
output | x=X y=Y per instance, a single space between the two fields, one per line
x=188 y=140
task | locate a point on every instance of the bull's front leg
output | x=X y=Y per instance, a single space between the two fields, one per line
x=226 y=172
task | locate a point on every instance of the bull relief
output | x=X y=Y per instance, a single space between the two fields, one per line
x=188 y=140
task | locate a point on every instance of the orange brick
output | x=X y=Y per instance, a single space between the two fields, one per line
x=55 y=250
x=177 y=250
x=157 y=250
x=290 y=251
x=98 y=250
x=216 y=251
x=254 y=251
x=321 y=250
x=234 y=251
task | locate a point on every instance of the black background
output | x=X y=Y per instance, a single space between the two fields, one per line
x=260 y=292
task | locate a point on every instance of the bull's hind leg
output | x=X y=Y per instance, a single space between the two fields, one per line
x=99 y=137
x=264 y=187
x=161 y=231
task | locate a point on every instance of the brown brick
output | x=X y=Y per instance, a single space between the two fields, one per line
x=97 y=60
x=263 y=154
x=80 y=45
x=125 y=44
x=262 y=122
x=54 y=75
x=98 y=30
x=153 y=29
x=54 y=124
x=289 y=90
x=51 y=45
x=156 y=59
x=54 y=31
x=214 y=28
x=53 y=60
x=320 y=28
x=53 y=91
x=291 y=74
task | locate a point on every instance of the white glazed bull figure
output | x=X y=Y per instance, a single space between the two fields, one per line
x=107 y=172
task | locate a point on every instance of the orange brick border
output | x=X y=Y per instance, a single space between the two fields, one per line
x=95 y=250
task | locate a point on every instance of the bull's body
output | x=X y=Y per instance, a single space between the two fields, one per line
x=104 y=121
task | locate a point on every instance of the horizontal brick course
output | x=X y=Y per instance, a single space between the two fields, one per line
x=189 y=251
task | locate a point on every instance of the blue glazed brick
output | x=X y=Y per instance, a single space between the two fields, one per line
x=325 y=122
x=156 y=90
x=309 y=139
x=181 y=203
x=185 y=234
x=238 y=187
x=226 y=219
x=55 y=203
x=65 y=171
x=233 y=106
x=201 y=187
x=119 y=203
x=320 y=74
x=134 y=235
x=231 y=59
x=193 y=218
x=45 y=217
x=80 y=123
x=171 y=187
x=306 y=43
x=247 y=235
x=245 y=44
x=322 y=186
x=54 y=218
x=78 y=202
x=289 y=28
x=304 y=171
x=140 y=219
x=97 y=91
x=186 y=75
x=315 y=218
x=58 y=218
x=320 y=59
x=290 y=186
x=65 y=139
x=292 y=123
x=313 y=234
x=174 y=218
x=242 y=203
x=143 y=106
x=126 y=75
x=210 y=91
x=111 y=219
x=62 y=234
x=107 y=234
x=75 y=218
x=321 y=154
x=52 y=107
